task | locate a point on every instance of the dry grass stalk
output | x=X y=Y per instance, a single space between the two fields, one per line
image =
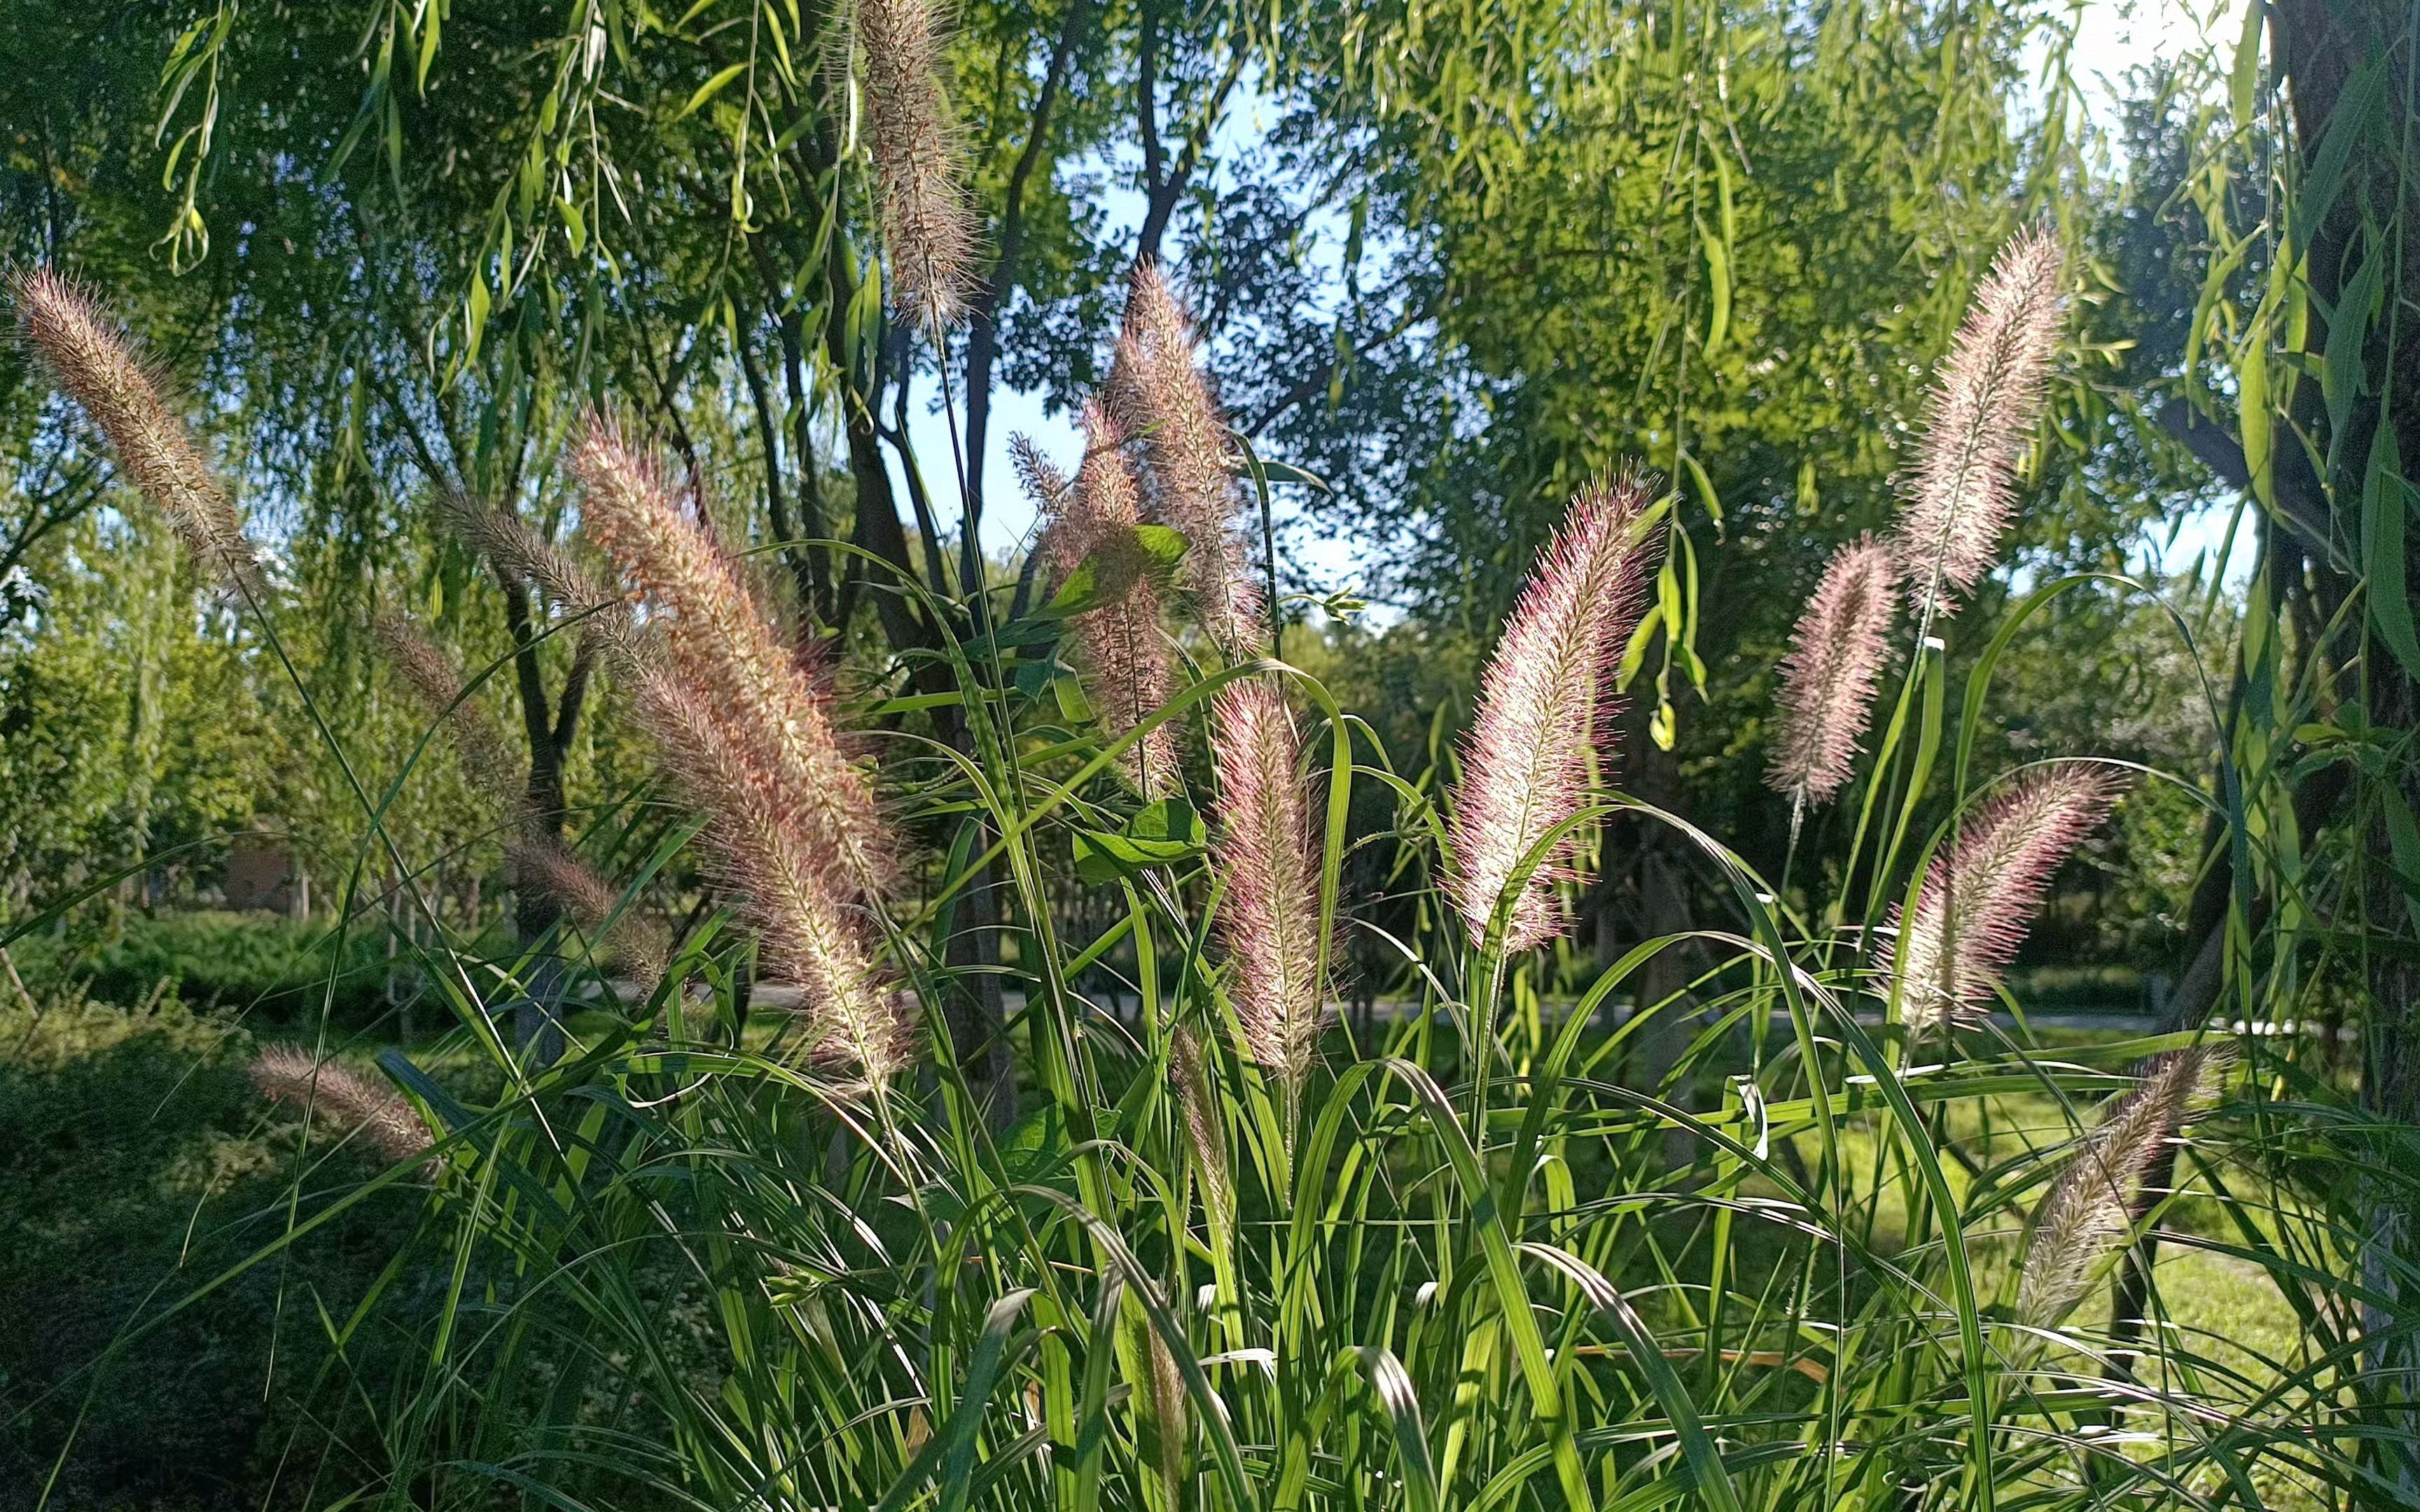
x=1978 y=896
x=927 y=220
x=1269 y=863
x=2091 y=1206
x=1986 y=401
x=1544 y=709
x=1161 y=399
x=1124 y=647
x=100 y=369
x=286 y=1074
x=1828 y=677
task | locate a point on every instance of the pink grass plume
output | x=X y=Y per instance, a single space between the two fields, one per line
x=1545 y=714
x=1265 y=855
x=721 y=640
x=102 y=369
x=2091 y=1205
x=1980 y=896
x=795 y=837
x=927 y=219
x=1128 y=671
x=764 y=850
x=345 y=1097
x=1828 y=677
x=1162 y=400
x=1987 y=400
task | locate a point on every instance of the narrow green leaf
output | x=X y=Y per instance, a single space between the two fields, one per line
x=709 y=89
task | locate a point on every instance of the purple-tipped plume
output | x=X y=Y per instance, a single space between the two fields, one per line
x=2091 y=1206
x=286 y=1074
x=1986 y=400
x=1827 y=679
x=1125 y=650
x=541 y=862
x=488 y=761
x=1980 y=896
x=1544 y=707
x=1269 y=917
x=518 y=553
x=795 y=836
x=763 y=850
x=722 y=643
x=98 y=367
x=1188 y=1072
x=927 y=220
x=1161 y=399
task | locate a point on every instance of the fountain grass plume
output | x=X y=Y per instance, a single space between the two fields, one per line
x=637 y=944
x=2091 y=1206
x=1979 y=896
x=488 y=760
x=1041 y=479
x=1545 y=712
x=519 y=554
x=1197 y=1099
x=720 y=640
x=1161 y=400
x=1828 y=676
x=927 y=219
x=100 y=368
x=1125 y=650
x=1986 y=401
x=1266 y=858
x=287 y=1074
x=765 y=849
x=541 y=862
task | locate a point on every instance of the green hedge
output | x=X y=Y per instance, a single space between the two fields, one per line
x=265 y=969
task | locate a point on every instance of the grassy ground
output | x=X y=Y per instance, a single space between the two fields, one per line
x=135 y=1163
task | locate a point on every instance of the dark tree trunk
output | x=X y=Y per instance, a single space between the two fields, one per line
x=2318 y=47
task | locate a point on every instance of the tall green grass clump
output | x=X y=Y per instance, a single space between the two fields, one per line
x=790 y=1228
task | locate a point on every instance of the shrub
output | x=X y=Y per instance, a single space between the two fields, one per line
x=261 y=967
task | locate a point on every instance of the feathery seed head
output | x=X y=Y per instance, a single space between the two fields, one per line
x=487 y=759
x=768 y=848
x=1827 y=679
x=1188 y=1069
x=285 y=1073
x=1037 y=474
x=98 y=366
x=1265 y=852
x=544 y=864
x=720 y=643
x=1979 y=895
x=1986 y=400
x=2090 y=1206
x=1543 y=711
x=1161 y=399
x=1124 y=649
x=517 y=551
x=927 y=220
x=541 y=862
